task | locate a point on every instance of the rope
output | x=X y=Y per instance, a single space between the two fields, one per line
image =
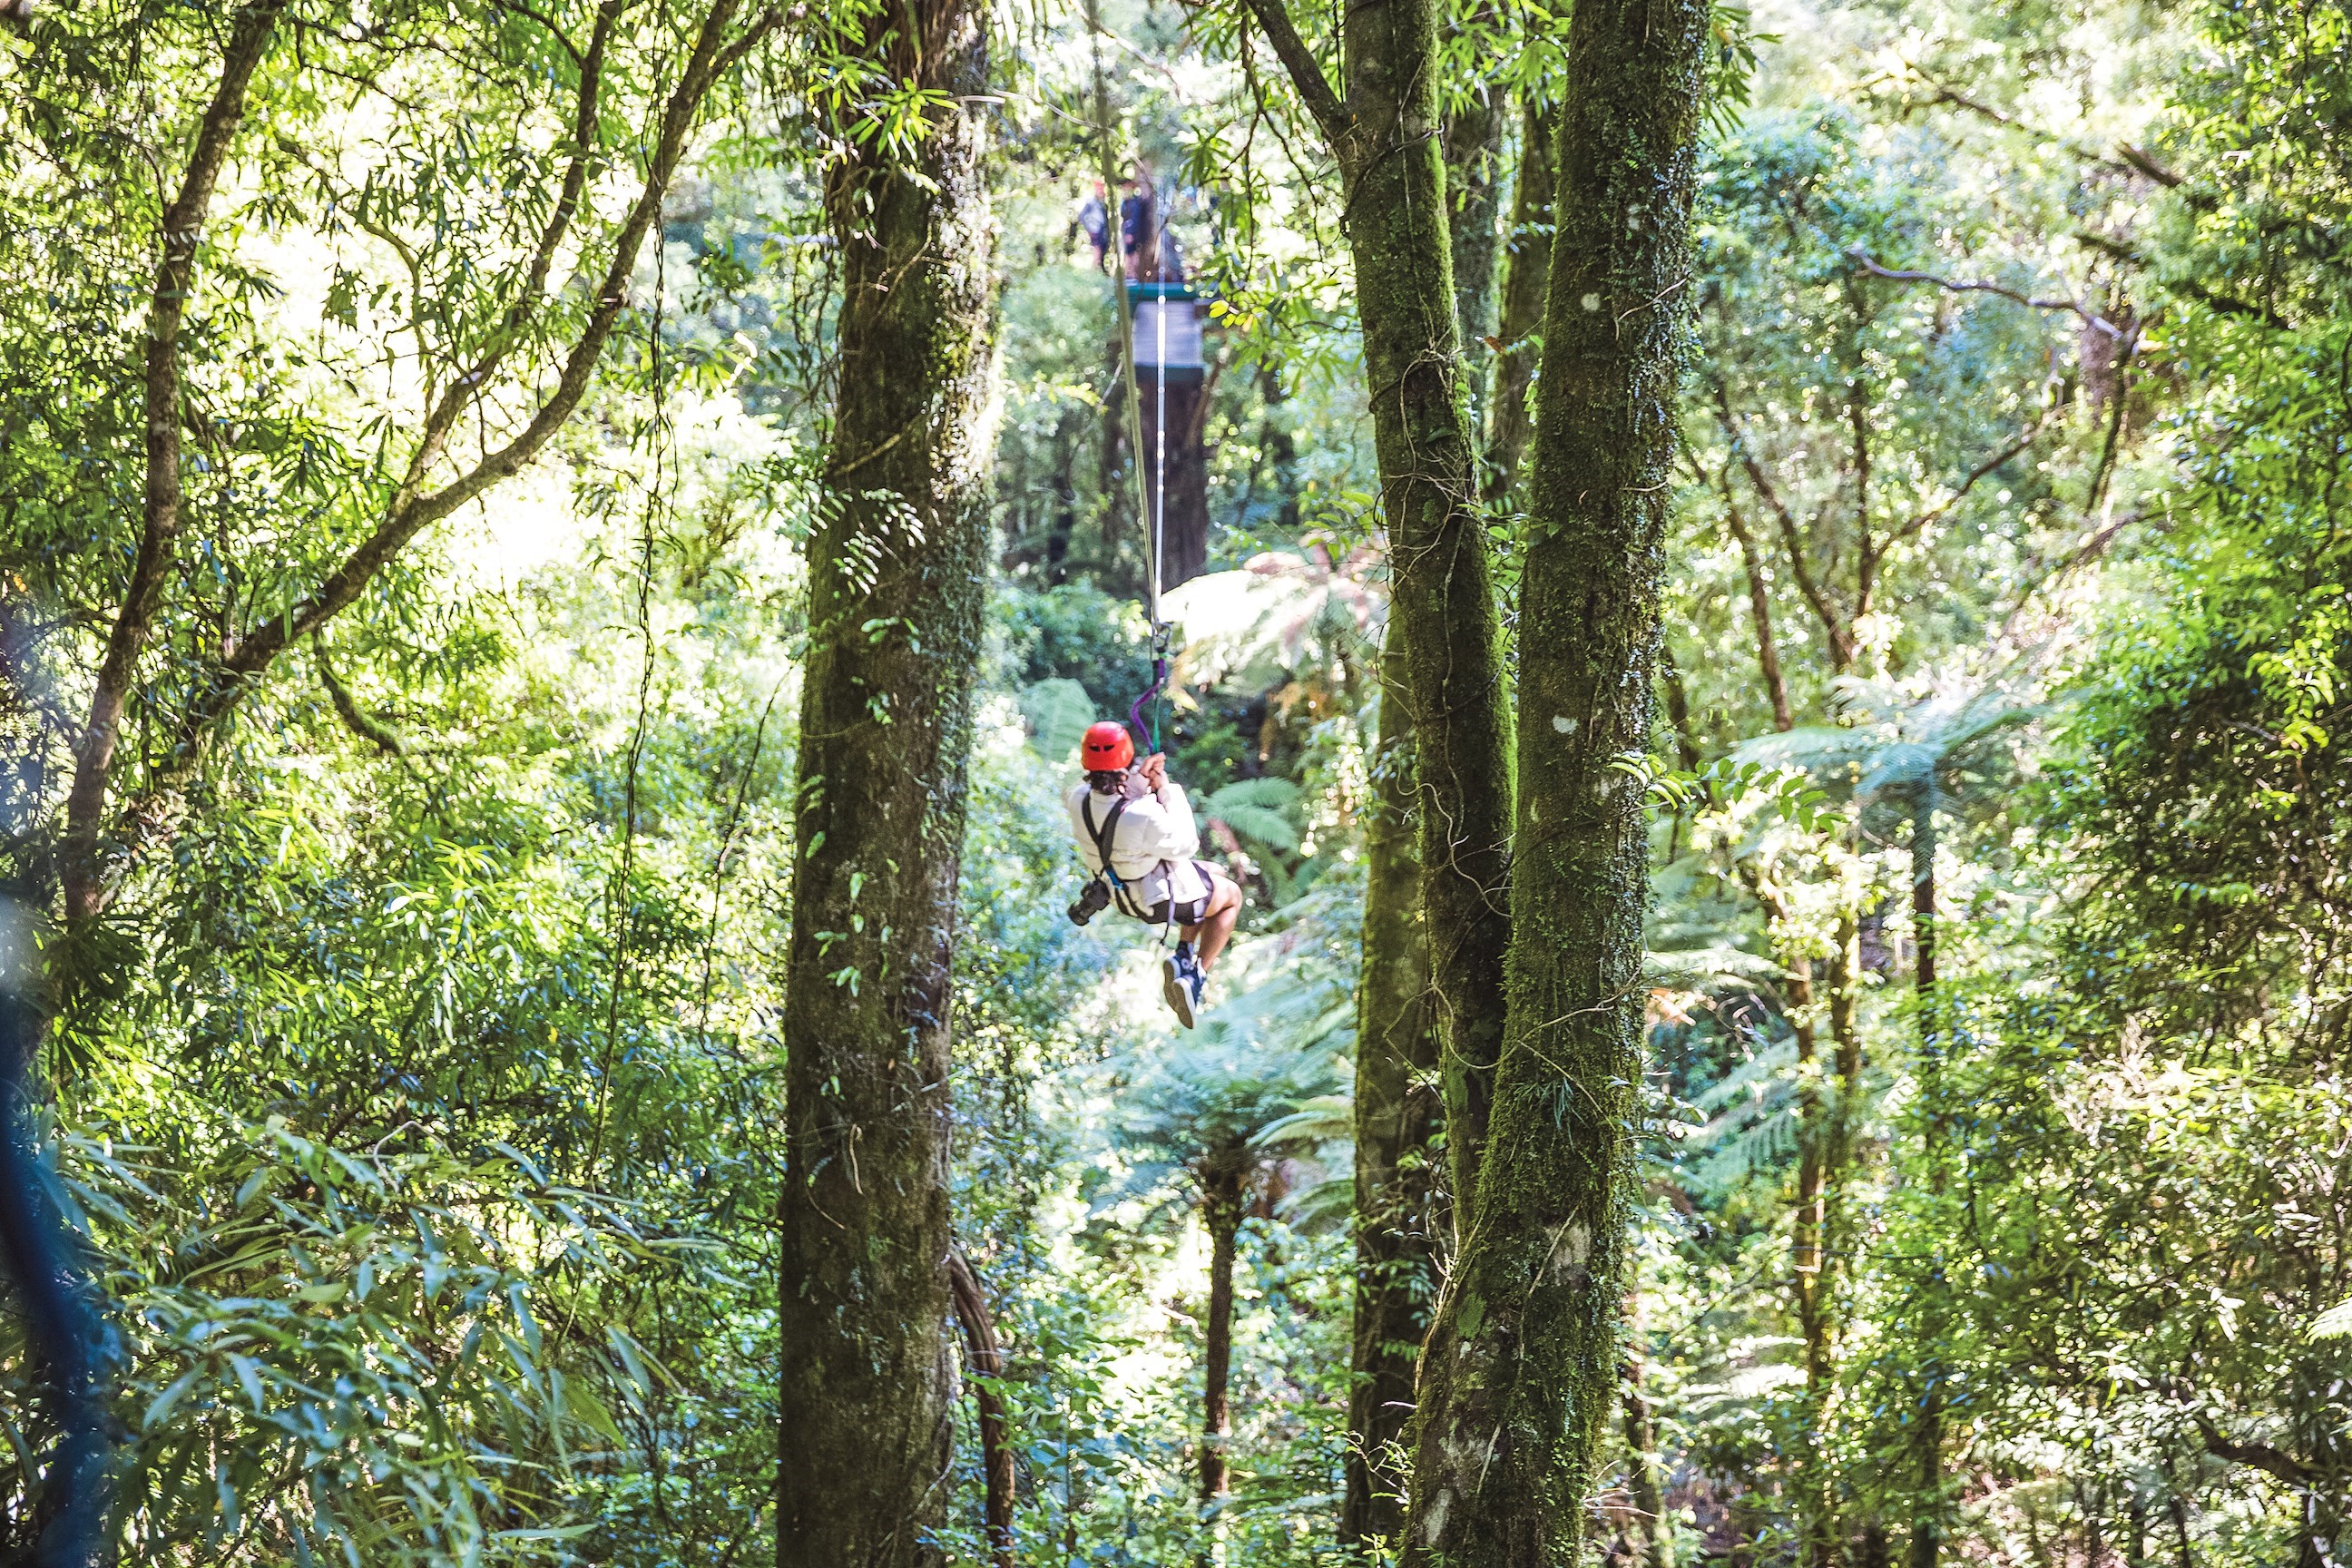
x=1158 y=430
x=1114 y=227
x=1158 y=530
x=1135 y=717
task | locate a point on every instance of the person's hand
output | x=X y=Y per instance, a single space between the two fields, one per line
x=1155 y=770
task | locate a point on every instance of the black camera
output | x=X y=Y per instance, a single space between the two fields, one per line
x=1093 y=899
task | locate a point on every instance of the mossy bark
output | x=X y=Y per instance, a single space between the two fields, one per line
x=1474 y=190
x=1397 y=1119
x=897 y=576
x=1527 y=284
x=1522 y=1368
x=1386 y=139
x=1440 y=560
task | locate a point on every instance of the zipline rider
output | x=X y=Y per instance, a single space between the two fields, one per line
x=1135 y=832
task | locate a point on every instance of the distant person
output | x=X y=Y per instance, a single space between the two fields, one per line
x=1093 y=221
x=1139 y=227
x=1136 y=833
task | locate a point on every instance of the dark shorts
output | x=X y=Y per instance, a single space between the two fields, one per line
x=1191 y=912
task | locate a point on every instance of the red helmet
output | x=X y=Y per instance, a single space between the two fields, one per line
x=1107 y=748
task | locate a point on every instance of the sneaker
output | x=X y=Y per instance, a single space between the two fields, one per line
x=1180 y=988
x=1199 y=984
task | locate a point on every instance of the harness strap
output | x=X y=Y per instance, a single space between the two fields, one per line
x=1104 y=837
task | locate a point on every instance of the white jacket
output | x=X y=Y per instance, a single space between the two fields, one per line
x=1152 y=848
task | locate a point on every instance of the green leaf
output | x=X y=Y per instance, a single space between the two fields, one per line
x=160 y=1407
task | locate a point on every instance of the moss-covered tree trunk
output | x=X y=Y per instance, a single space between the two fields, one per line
x=1522 y=1368
x=897 y=573
x=1386 y=138
x=1527 y=283
x=1474 y=191
x=1397 y=1120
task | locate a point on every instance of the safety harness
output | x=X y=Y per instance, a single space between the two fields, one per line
x=1105 y=837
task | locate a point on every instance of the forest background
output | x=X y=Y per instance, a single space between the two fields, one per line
x=401 y=803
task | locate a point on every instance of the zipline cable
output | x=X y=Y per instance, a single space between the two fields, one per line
x=1115 y=227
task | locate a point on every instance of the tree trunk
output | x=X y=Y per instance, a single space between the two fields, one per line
x=1642 y=1466
x=1474 y=191
x=1845 y=1037
x=1396 y=1119
x=1527 y=282
x=1521 y=1369
x=1821 y=1139
x=1759 y=611
x=997 y=1476
x=1385 y=138
x=1808 y=1270
x=178 y=233
x=1926 y=1522
x=75 y=1353
x=1221 y=1210
x=897 y=576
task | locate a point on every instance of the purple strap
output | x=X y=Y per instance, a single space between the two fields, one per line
x=1135 y=711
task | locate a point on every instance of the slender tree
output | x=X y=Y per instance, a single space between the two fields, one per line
x=1474 y=183
x=178 y=235
x=1397 y=1119
x=897 y=576
x=1522 y=1369
x=1527 y=285
x=1385 y=137
x=499 y=374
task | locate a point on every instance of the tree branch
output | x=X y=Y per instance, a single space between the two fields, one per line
x=1759 y=607
x=2212 y=300
x=1305 y=74
x=373 y=730
x=2025 y=439
x=411 y=512
x=1841 y=639
x=2261 y=1455
x=443 y=416
x=180 y=231
x=2076 y=307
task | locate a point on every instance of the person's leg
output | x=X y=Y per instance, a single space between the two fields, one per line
x=1216 y=923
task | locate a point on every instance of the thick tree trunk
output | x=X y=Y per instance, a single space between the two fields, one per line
x=1527 y=283
x=1222 y=1177
x=1473 y=191
x=1385 y=137
x=1442 y=569
x=897 y=574
x=1521 y=1369
x=1396 y=1119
